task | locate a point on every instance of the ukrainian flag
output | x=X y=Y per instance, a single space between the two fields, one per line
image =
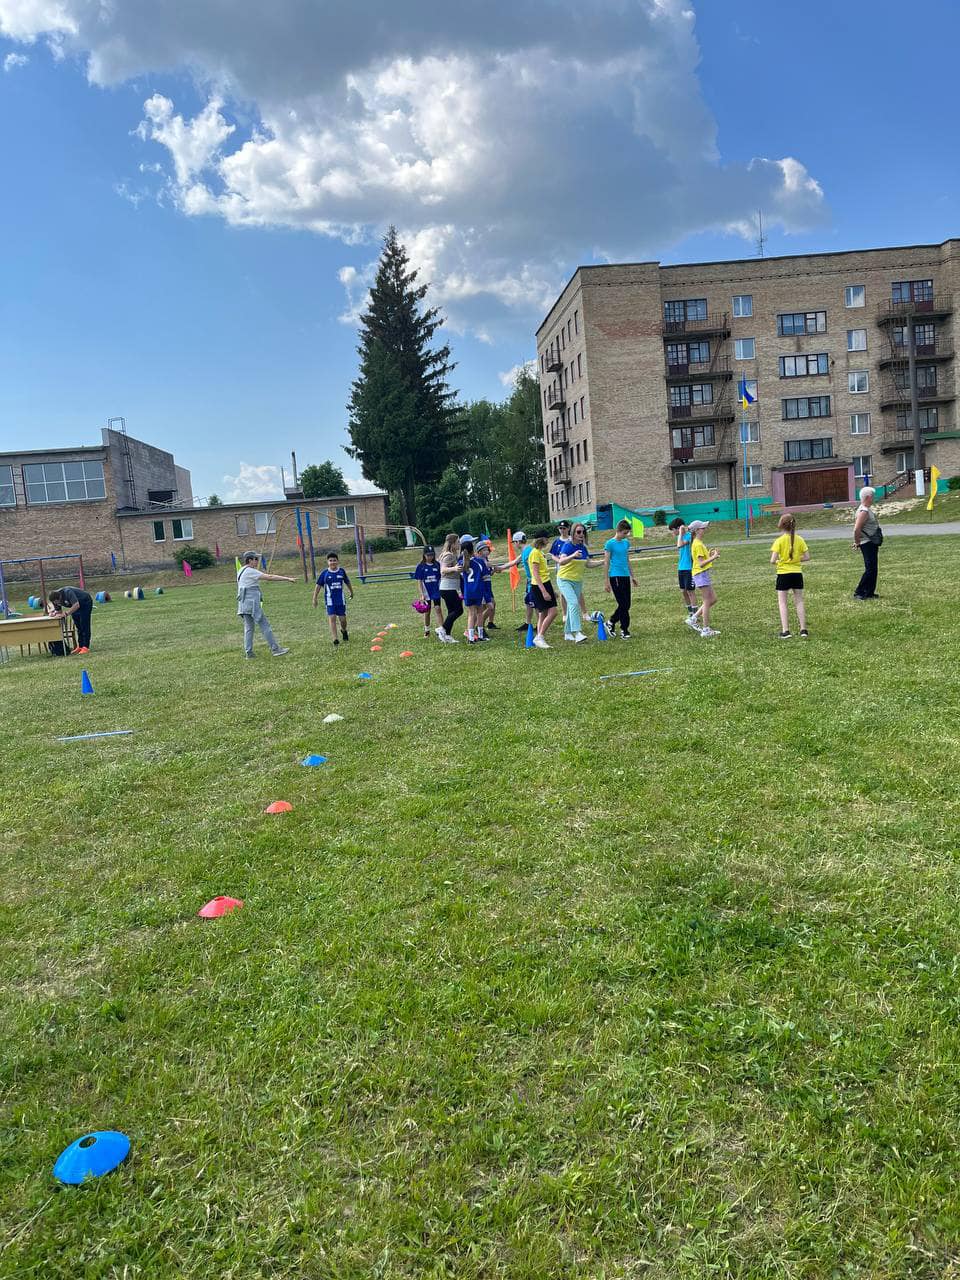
x=746 y=399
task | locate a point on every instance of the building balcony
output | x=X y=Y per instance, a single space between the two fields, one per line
x=893 y=396
x=557 y=435
x=562 y=476
x=554 y=363
x=938 y=350
x=940 y=304
x=556 y=399
x=717 y=322
x=707 y=455
x=717 y=411
x=695 y=371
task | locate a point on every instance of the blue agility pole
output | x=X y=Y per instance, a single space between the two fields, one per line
x=110 y=733
x=651 y=671
x=313 y=558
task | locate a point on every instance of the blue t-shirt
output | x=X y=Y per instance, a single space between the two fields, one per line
x=333 y=581
x=684 y=555
x=573 y=548
x=557 y=545
x=619 y=549
x=525 y=562
x=473 y=577
x=429 y=574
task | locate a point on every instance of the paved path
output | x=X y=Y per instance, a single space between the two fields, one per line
x=844 y=533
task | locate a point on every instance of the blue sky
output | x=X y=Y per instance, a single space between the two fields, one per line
x=188 y=263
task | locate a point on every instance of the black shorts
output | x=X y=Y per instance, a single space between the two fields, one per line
x=685 y=578
x=789 y=581
x=539 y=603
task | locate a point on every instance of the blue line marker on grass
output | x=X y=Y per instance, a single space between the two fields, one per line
x=651 y=671
x=82 y=737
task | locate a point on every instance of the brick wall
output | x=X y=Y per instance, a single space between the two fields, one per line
x=60 y=527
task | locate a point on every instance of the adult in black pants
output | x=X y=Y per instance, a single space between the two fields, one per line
x=78 y=604
x=867 y=538
x=450 y=588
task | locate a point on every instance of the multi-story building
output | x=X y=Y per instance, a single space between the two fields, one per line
x=640 y=367
x=127 y=502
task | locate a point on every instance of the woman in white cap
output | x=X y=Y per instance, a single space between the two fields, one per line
x=250 y=604
x=703 y=558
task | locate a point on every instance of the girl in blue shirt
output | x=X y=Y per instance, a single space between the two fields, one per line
x=427 y=576
x=486 y=583
x=471 y=568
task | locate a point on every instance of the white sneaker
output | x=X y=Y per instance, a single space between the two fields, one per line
x=567 y=635
x=440 y=634
x=579 y=638
x=540 y=643
x=708 y=632
x=692 y=622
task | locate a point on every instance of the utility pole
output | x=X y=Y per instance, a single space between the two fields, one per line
x=914 y=404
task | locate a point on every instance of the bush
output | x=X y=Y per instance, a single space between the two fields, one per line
x=196 y=557
x=376 y=545
x=659 y=517
x=953 y=484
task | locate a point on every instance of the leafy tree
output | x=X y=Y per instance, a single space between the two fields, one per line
x=323 y=480
x=402 y=417
x=214 y=500
x=439 y=503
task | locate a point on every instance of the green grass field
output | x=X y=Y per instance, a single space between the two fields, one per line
x=542 y=976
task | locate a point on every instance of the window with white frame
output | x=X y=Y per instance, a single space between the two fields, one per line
x=749 y=432
x=693 y=481
x=346 y=517
x=745 y=349
x=158 y=533
x=859 y=424
x=182 y=530
x=904 y=461
x=805 y=407
x=243 y=525
x=753 y=388
x=862 y=465
x=63 y=482
x=753 y=477
x=854 y=295
x=8 y=497
x=858 y=381
x=794 y=322
x=807 y=366
x=856 y=339
x=321 y=519
x=743 y=305
x=588 y=490
x=264 y=522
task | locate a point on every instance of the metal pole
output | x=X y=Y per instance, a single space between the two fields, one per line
x=3 y=593
x=82 y=584
x=743 y=441
x=303 y=554
x=43 y=585
x=914 y=398
x=313 y=558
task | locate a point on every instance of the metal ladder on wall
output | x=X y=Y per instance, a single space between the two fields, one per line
x=127 y=457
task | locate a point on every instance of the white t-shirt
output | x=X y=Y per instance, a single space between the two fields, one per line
x=248 y=578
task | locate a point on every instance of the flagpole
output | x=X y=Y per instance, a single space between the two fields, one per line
x=742 y=390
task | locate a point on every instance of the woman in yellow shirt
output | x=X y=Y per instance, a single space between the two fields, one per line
x=573 y=558
x=788 y=553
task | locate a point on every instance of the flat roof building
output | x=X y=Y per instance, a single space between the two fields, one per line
x=640 y=367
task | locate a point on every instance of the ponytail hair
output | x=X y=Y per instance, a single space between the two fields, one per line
x=789 y=525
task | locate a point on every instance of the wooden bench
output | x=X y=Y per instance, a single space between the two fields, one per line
x=39 y=631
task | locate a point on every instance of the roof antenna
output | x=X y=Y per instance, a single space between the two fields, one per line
x=761 y=238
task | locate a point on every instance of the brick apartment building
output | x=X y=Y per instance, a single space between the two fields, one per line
x=640 y=364
x=130 y=500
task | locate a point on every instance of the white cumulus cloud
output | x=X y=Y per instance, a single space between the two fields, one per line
x=509 y=377
x=254 y=484
x=506 y=141
x=14 y=60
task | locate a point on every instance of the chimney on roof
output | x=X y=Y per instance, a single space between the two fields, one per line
x=293 y=492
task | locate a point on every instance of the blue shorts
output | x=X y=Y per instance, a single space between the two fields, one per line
x=487 y=593
x=473 y=599
x=529 y=595
x=336 y=610
x=434 y=599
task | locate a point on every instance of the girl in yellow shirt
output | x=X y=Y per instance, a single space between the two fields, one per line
x=702 y=558
x=788 y=553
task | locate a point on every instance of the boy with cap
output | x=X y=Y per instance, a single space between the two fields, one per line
x=684 y=564
x=332 y=581
x=562 y=538
x=250 y=604
x=702 y=558
x=520 y=544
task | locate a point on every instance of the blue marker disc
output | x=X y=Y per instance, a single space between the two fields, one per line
x=364 y=675
x=91 y=1156
x=314 y=760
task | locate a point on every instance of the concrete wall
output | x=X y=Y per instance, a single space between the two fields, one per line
x=153 y=469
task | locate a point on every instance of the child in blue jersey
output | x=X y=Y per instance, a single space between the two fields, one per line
x=471 y=571
x=331 y=582
x=427 y=575
x=685 y=564
x=486 y=586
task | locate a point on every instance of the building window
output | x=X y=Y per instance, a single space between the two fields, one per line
x=576 y=322
x=807 y=450
x=346 y=517
x=904 y=462
x=264 y=522
x=158 y=533
x=753 y=388
x=743 y=305
x=680 y=310
x=63 y=482
x=8 y=497
x=794 y=322
x=694 y=437
x=749 y=432
x=858 y=381
x=582 y=398
x=698 y=393
x=856 y=339
x=862 y=465
x=927 y=419
x=588 y=490
x=694 y=481
x=859 y=424
x=182 y=530
x=924 y=338
x=574 y=413
x=806 y=407
x=579 y=364
x=680 y=355
x=854 y=295
x=745 y=349
x=753 y=477
x=585 y=456
x=804 y=366
x=578 y=453
x=581 y=492
x=912 y=291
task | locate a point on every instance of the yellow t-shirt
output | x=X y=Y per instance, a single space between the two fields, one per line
x=573 y=570
x=787 y=563
x=699 y=554
x=536 y=557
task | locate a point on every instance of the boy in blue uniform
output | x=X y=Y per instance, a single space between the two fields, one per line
x=684 y=565
x=556 y=546
x=472 y=568
x=427 y=576
x=331 y=582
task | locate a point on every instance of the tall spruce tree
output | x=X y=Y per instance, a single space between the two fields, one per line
x=402 y=412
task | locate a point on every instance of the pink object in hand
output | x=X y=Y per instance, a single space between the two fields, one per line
x=219 y=907
x=421 y=606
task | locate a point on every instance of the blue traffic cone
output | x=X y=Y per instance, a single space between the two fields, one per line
x=85 y=685
x=602 y=629
x=528 y=643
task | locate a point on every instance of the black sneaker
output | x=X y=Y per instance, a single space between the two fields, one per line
x=522 y=627
x=785 y=635
x=336 y=642
x=804 y=635
x=345 y=636
x=492 y=626
x=625 y=635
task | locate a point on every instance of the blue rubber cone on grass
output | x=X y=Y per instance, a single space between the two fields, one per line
x=602 y=629
x=85 y=685
x=528 y=643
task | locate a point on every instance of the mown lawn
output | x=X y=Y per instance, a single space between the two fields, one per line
x=542 y=976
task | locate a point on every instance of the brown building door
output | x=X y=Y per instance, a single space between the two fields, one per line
x=809 y=488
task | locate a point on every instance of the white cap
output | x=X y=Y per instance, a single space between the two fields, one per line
x=466 y=537
x=696 y=525
x=519 y=536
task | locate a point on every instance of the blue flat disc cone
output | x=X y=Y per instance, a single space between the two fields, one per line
x=364 y=675
x=104 y=1150
x=314 y=760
